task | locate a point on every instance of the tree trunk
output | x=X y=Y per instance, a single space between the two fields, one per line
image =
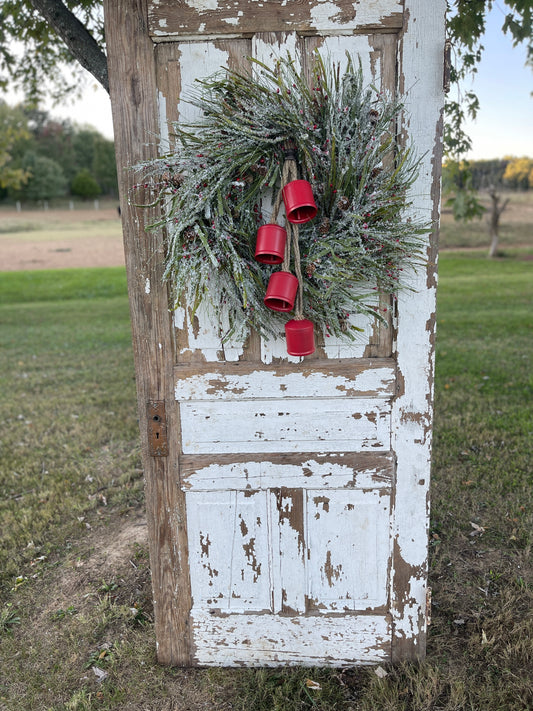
x=75 y=35
x=494 y=220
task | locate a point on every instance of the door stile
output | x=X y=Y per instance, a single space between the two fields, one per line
x=420 y=85
x=133 y=90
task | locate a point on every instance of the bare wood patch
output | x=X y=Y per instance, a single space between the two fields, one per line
x=221 y=17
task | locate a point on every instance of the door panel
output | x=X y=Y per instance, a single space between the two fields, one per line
x=280 y=544
x=199 y=338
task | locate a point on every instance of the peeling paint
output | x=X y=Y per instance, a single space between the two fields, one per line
x=306 y=482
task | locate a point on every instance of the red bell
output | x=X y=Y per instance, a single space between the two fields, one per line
x=281 y=291
x=300 y=337
x=299 y=201
x=270 y=244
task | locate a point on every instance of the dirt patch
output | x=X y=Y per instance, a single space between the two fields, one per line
x=29 y=245
x=107 y=553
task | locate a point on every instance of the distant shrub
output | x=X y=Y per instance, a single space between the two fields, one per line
x=46 y=178
x=84 y=185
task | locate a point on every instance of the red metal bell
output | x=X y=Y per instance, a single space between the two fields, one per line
x=281 y=291
x=299 y=201
x=300 y=337
x=270 y=244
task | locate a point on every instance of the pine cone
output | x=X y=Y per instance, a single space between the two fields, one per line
x=189 y=234
x=310 y=269
x=324 y=226
x=343 y=203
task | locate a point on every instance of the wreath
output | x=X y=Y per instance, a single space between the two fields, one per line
x=228 y=175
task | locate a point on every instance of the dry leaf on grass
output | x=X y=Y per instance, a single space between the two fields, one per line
x=100 y=674
x=380 y=672
x=478 y=530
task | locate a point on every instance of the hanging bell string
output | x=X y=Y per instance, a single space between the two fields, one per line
x=289 y=172
x=286 y=265
x=298 y=306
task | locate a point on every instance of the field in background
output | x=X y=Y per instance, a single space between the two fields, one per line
x=59 y=237
x=516 y=225
x=76 y=630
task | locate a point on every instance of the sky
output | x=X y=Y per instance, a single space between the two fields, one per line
x=503 y=84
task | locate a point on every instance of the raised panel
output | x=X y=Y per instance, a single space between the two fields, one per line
x=229 y=546
x=348 y=549
x=326 y=425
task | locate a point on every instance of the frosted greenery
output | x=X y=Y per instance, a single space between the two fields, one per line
x=217 y=184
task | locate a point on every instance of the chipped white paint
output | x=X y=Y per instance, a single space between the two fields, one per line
x=422 y=71
x=348 y=549
x=275 y=349
x=201 y=6
x=284 y=550
x=329 y=425
x=197 y=59
x=336 y=47
x=306 y=483
x=147 y=286
x=229 y=551
x=179 y=317
x=317 y=473
x=164 y=141
x=205 y=334
x=267 y=640
x=322 y=16
x=335 y=347
x=268 y=384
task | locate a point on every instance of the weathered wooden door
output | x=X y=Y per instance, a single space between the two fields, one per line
x=286 y=500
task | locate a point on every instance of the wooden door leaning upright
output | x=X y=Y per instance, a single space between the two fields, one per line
x=286 y=501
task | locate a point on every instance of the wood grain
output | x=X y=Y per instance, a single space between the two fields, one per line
x=134 y=101
x=168 y=18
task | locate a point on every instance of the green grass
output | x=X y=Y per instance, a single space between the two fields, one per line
x=67 y=411
x=69 y=460
x=38 y=286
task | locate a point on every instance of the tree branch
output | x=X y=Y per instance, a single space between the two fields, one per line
x=75 y=35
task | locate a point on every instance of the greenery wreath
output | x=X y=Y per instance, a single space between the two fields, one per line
x=219 y=183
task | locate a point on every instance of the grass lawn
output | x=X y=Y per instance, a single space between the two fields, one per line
x=76 y=627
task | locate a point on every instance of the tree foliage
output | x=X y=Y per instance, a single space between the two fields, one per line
x=46 y=178
x=32 y=28
x=27 y=134
x=459 y=191
x=519 y=173
x=466 y=28
x=84 y=185
x=13 y=128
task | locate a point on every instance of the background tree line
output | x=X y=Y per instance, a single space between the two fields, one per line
x=509 y=172
x=42 y=158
